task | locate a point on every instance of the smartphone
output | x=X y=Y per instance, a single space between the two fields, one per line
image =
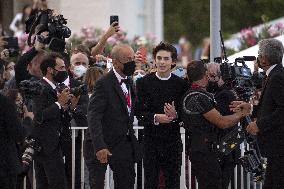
x=12 y=43
x=114 y=18
x=143 y=52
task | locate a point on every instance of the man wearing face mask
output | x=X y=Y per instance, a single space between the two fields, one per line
x=110 y=120
x=201 y=118
x=49 y=117
x=223 y=96
x=79 y=63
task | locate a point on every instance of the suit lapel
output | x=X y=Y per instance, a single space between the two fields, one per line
x=118 y=90
x=274 y=70
x=133 y=98
x=52 y=91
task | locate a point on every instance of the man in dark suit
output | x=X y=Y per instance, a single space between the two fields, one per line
x=49 y=118
x=110 y=120
x=11 y=132
x=269 y=126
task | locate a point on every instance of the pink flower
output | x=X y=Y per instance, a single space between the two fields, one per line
x=112 y=41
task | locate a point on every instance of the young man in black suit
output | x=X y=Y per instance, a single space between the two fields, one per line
x=269 y=126
x=110 y=121
x=159 y=97
x=50 y=115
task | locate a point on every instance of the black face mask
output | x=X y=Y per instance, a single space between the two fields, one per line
x=212 y=86
x=129 y=68
x=60 y=76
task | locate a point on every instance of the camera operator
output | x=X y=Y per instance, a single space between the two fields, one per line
x=224 y=97
x=50 y=118
x=269 y=123
x=202 y=118
x=11 y=133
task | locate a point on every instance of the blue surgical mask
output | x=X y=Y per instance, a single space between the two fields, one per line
x=79 y=71
x=139 y=75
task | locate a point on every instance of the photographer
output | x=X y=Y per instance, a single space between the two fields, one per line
x=202 y=118
x=79 y=63
x=269 y=124
x=224 y=97
x=11 y=133
x=50 y=118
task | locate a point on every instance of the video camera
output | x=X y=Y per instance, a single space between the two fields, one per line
x=46 y=20
x=76 y=91
x=238 y=77
x=30 y=89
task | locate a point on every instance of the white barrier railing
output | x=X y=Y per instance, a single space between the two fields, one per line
x=244 y=183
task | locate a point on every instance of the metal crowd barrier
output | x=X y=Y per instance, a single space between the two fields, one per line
x=241 y=179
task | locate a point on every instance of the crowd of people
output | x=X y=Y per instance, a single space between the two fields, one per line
x=43 y=94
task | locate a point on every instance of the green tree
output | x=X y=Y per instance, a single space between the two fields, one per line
x=191 y=18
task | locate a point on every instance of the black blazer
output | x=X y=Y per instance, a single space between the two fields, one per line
x=11 y=132
x=47 y=119
x=108 y=119
x=270 y=114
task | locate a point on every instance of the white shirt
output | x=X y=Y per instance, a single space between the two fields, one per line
x=53 y=87
x=123 y=87
x=162 y=78
x=49 y=82
x=270 y=69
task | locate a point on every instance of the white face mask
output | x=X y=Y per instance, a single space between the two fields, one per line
x=12 y=73
x=139 y=75
x=79 y=71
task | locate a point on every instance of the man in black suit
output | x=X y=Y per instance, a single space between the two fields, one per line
x=269 y=126
x=11 y=132
x=50 y=115
x=110 y=120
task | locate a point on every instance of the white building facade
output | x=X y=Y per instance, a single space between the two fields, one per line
x=136 y=17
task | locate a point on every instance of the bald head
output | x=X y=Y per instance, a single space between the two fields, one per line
x=121 y=55
x=121 y=51
x=79 y=59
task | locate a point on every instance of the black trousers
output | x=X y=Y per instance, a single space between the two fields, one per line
x=8 y=182
x=121 y=162
x=207 y=170
x=227 y=170
x=50 y=172
x=167 y=158
x=274 y=177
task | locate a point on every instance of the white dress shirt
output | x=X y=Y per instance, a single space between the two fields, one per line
x=123 y=87
x=270 y=69
x=53 y=87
